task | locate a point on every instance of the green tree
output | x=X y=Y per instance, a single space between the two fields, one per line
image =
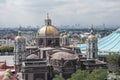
x=79 y=75
x=83 y=40
x=11 y=49
x=113 y=60
x=97 y=74
x=57 y=77
x=6 y=49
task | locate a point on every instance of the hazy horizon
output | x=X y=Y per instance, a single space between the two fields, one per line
x=62 y=12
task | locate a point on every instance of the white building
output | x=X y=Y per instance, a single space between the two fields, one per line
x=6 y=42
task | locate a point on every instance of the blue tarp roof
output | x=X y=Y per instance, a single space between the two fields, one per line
x=110 y=43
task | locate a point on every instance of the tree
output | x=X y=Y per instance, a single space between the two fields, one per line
x=79 y=75
x=97 y=74
x=57 y=77
x=83 y=40
x=6 y=49
x=113 y=60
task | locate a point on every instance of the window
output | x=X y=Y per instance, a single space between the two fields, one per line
x=26 y=76
x=44 y=54
x=93 y=54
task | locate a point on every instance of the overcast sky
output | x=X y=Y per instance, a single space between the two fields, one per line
x=62 y=12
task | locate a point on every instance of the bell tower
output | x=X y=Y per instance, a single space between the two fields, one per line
x=19 y=51
x=64 y=40
x=92 y=47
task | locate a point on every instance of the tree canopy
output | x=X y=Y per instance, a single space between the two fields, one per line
x=6 y=49
x=97 y=74
x=57 y=77
x=79 y=75
x=113 y=58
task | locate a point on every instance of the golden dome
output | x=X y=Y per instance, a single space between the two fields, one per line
x=32 y=56
x=64 y=55
x=91 y=36
x=48 y=30
x=20 y=38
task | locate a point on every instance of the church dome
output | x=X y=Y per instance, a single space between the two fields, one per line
x=64 y=55
x=32 y=56
x=20 y=37
x=91 y=36
x=65 y=35
x=48 y=29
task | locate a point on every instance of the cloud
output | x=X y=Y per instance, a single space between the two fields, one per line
x=33 y=12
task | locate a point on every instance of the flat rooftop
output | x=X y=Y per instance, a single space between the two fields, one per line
x=9 y=60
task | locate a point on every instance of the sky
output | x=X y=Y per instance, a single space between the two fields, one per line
x=62 y=12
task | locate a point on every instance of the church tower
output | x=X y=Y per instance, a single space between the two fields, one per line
x=19 y=50
x=92 y=47
x=64 y=39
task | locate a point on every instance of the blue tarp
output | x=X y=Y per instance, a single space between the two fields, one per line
x=110 y=43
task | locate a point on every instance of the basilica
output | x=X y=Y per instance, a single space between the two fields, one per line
x=52 y=55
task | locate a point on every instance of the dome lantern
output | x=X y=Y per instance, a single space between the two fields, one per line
x=48 y=21
x=91 y=36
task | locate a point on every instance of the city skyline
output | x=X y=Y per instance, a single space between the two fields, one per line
x=62 y=12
